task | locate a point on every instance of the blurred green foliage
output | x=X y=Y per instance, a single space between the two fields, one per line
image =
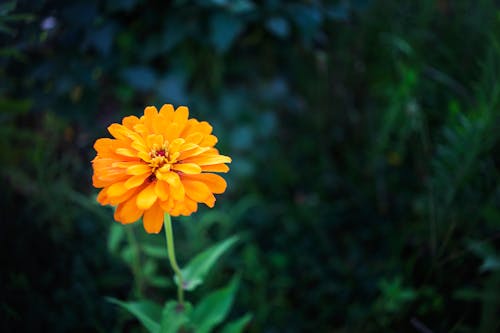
x=365 y=143
x=207 y=315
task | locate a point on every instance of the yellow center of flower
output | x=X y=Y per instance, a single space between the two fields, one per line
x=161 y=159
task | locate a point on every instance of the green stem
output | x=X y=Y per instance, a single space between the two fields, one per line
x=169 y=235
x=136 y=260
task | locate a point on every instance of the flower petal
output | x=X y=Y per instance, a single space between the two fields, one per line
x=173 y=131
x=130 y=121
x=167 y=111
x=153 y=219
x=116 y=131
x=204 y=159
x=135 y=181
x=215 y=168
x=191 y=151
x=128 y=212
x=147 y=197
x=126 y=152
x=187 y=168
x=175 y=145
x=199 y=192
x=172 y=178
x=194 y=137
x=150 y=115
x=162 y=189
x=138 y=169
x=181 y=116
x=155 y=141
x=209 y=141
x=215 y=183
x=104 y=146
x=117 y=189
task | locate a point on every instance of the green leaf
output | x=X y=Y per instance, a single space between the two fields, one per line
x=214 y=308
x=154 y=251
x=127 y=254
x=196 y=270
x=116 y=234
x=173 y=317
x=159 y=281
x=237 y=325
x=147 y=312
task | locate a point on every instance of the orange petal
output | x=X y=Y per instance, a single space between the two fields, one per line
x=153 y=219
x=173 y=131
x=118 y=131
x=198 y=191
x=117 y=189
x=172 y=178
x=181 y=116
x=161 y=124
x=135 y=181
x=150 y=115
x=141 y=128
x=104 y=146
x=187 y=168
x=162 y=189
x=126 y=152
x=139 y=145
x=178 y=192
x=204 y=159
x=124 y=165
x=130 y=121
x=167 y=205
x=194 y=137
x=155 y=141
x=144 y=156
x=128 y=212
x=147 y=197
x=125 y=196
x=102 y=197
x=202 y=127
x=138 y=169
x=167 y=111
x=215 y=168
x=215 y=183
x=209 y=141
x=175 y=145
x=191 y=151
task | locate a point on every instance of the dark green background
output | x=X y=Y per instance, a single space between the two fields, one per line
x=365 y=144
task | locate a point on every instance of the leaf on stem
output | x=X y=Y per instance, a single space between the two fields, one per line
x=196 y=270
x=174 y=317
x=147 y=312
x=238 y=325
x=212 y=309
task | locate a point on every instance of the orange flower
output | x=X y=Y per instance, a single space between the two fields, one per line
x=160 y=162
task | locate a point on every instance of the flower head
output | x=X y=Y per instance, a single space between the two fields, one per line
x=160 y=162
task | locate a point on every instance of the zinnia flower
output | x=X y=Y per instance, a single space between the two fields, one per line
x=160 y=162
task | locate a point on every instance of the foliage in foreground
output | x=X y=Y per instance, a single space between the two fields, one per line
x=365 y=138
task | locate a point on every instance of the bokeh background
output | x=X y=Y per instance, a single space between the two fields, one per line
x=366 y=159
